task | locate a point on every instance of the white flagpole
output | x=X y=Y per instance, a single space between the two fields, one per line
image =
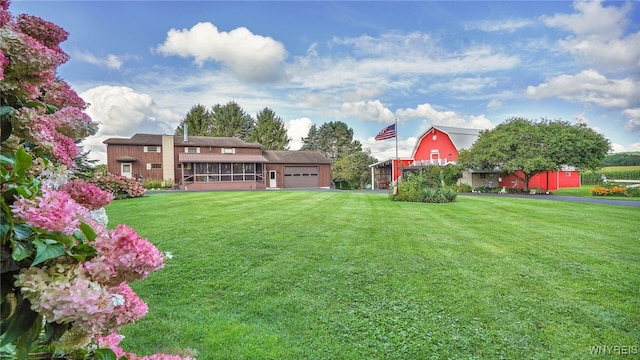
x=394 y=166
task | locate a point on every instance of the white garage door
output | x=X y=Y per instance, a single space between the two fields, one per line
x=301 y=177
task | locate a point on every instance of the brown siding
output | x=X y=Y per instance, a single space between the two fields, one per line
x=138 y=167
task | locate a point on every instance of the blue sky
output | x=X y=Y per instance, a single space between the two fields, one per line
x=143 y=64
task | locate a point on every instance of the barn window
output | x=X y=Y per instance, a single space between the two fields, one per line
x=568 y=174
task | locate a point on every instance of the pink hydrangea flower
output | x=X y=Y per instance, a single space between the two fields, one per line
x=74 y=123
x=64 y=150
x=128 y=305
x=61 y=95
x=47 y=33
x=111 y=341
x=53 y=211
x=88 y=195
x=123 y=256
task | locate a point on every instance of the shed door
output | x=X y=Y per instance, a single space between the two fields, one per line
x=301 y=177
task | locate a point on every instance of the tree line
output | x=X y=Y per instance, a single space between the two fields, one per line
x=230 y=120
x=349 y=160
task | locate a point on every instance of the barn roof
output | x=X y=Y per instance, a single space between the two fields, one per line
x=178 y=140
x=295 y=157
x=462 y=138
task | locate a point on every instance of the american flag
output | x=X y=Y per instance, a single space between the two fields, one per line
x=387 y=133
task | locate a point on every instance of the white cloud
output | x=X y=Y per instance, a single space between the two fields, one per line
x=296 y=130
x=589 y=86
x=599 y=39
x=432 y=116
x=509 y=25
x=121 y=112
x=370 y=110
x=112 y=62
x=592 y=19
x=494 y=104
x=383 y=150
x=249 y=56
x=633 y=124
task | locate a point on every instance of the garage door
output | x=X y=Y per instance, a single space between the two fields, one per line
x=301 y=176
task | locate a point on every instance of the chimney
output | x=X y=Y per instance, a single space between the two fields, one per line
x=186 y=133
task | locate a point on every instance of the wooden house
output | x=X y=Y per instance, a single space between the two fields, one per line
x=215 y=163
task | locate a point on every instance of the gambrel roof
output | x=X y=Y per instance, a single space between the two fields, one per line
x=460 y=137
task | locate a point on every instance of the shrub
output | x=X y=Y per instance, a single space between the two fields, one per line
x=157 y=184
x=451 y=174
x=633 y=191
x=462 y=188
x=415 y=188
x=120 y=186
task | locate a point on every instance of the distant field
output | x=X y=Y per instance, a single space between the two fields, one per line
x=617 y=168
x=352 y=275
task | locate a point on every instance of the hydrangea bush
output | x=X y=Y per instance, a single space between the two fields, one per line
x=64 y=274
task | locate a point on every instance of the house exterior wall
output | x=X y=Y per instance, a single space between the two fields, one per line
x=139 y=165
x=324 y=174
x=167 y=162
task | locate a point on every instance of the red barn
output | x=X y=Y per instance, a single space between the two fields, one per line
x=440 y=145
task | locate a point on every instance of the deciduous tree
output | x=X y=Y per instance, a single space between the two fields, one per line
x=353 y=168
x=524 y=148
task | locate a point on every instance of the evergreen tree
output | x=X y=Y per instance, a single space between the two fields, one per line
x=270 y=131
x=311 y=141
x=230 y=120
x=199 y=122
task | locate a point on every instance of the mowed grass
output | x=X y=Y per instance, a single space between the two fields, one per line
x=352 y=275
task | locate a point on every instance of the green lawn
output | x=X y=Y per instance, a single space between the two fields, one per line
x=351 y=275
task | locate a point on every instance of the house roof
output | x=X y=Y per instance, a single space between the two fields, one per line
x=254 y=158
x=460 y=137
x=178 y=140
x=295 y=157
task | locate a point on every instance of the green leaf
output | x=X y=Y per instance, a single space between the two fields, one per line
x=46 y=251
x=33 y=104
x=21 y=251
x=22 y=232
x=88 y=231
x=19 y=323
x=82 y=252
x=54 y=331
x=25 y=341
x=6 y=110
x=22 y=164
x=105 y=354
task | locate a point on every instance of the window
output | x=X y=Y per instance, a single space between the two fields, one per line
x=568 y=174
x=482 y=176
x=153 y=166
x=152 y=149
x=192 y=150
x=207 y=172
x=228 y=150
